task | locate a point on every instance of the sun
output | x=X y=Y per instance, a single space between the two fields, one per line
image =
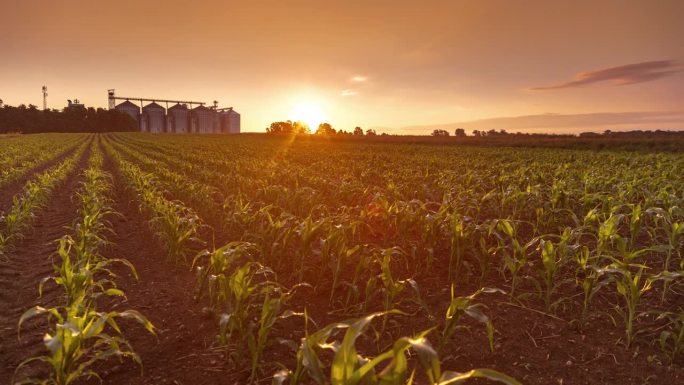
x=308 y=113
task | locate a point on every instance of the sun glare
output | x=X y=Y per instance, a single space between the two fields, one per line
x=308 y=113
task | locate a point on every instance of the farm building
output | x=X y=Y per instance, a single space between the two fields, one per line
x=153 y=118
x=179 y=119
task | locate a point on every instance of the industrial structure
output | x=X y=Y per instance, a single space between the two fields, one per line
x=74 y=105
x=179 y=118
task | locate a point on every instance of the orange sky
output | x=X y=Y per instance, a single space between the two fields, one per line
x=406 y=66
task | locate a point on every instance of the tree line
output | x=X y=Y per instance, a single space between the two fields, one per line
x=290 y=127
x=29 y=119
x=460 y=132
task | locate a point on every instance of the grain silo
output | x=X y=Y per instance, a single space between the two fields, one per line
x=129 y=108
x=229 y=121
x=153 y=118
x=202 y=119
x=179 y=119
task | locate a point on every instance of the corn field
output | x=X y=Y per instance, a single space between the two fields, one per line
x=245 y=259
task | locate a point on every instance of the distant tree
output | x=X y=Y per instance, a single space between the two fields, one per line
x=358 y=131
x=607 y=133
x=300 y=128
x=371 y=132
x=325 y=129
x=280 y=128
x=440 y=132
x=477 y=133
x=288 y=127
x=460 y=132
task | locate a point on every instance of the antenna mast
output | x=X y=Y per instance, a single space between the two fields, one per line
x=44 y=98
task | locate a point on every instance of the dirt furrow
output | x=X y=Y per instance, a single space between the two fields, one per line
x=181 y=351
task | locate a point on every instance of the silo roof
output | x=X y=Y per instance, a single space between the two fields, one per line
x=178 y=106
x=126 y=104
x=153 y=105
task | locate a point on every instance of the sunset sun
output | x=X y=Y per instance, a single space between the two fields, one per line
x=308 y=113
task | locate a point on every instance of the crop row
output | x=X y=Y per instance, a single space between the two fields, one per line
x=79 y=332
x=35 y=196
x=17 y=159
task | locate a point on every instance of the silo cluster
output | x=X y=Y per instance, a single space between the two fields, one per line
x=180 y=119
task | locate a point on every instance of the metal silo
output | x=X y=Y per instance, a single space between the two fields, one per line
x=229 y=121
x=153 y=118
x=179 y=119
x=202 y=120
x=131 y=109
x=234 y=122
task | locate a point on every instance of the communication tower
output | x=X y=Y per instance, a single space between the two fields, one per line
x=44 y=98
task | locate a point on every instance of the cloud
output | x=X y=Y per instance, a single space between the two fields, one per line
x=565 y=123
x=622 y=75
x=359 y=79
x=348 y=93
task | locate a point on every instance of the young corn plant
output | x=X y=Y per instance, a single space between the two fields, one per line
x=177 y=226
x=309 y=232
x=516 y=258
x=271 y=311
x=242 y=291
x=549 y=271
x=365 y=262
x=591 y=279
x=238 y=295
x=631 y=284
x=553 y=258
x=671 y=340
x=674 y=232
x=84 y=276
x=220 y=262
x=391 y=367
x=81 y=336
x=391 y=287
x=459 y=239
x=460 y=306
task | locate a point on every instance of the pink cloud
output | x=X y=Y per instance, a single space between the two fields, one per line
x=622 y=75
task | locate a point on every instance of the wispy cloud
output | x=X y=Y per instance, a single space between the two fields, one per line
x=359 y=79
x=622 y=75
x=348 y=93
